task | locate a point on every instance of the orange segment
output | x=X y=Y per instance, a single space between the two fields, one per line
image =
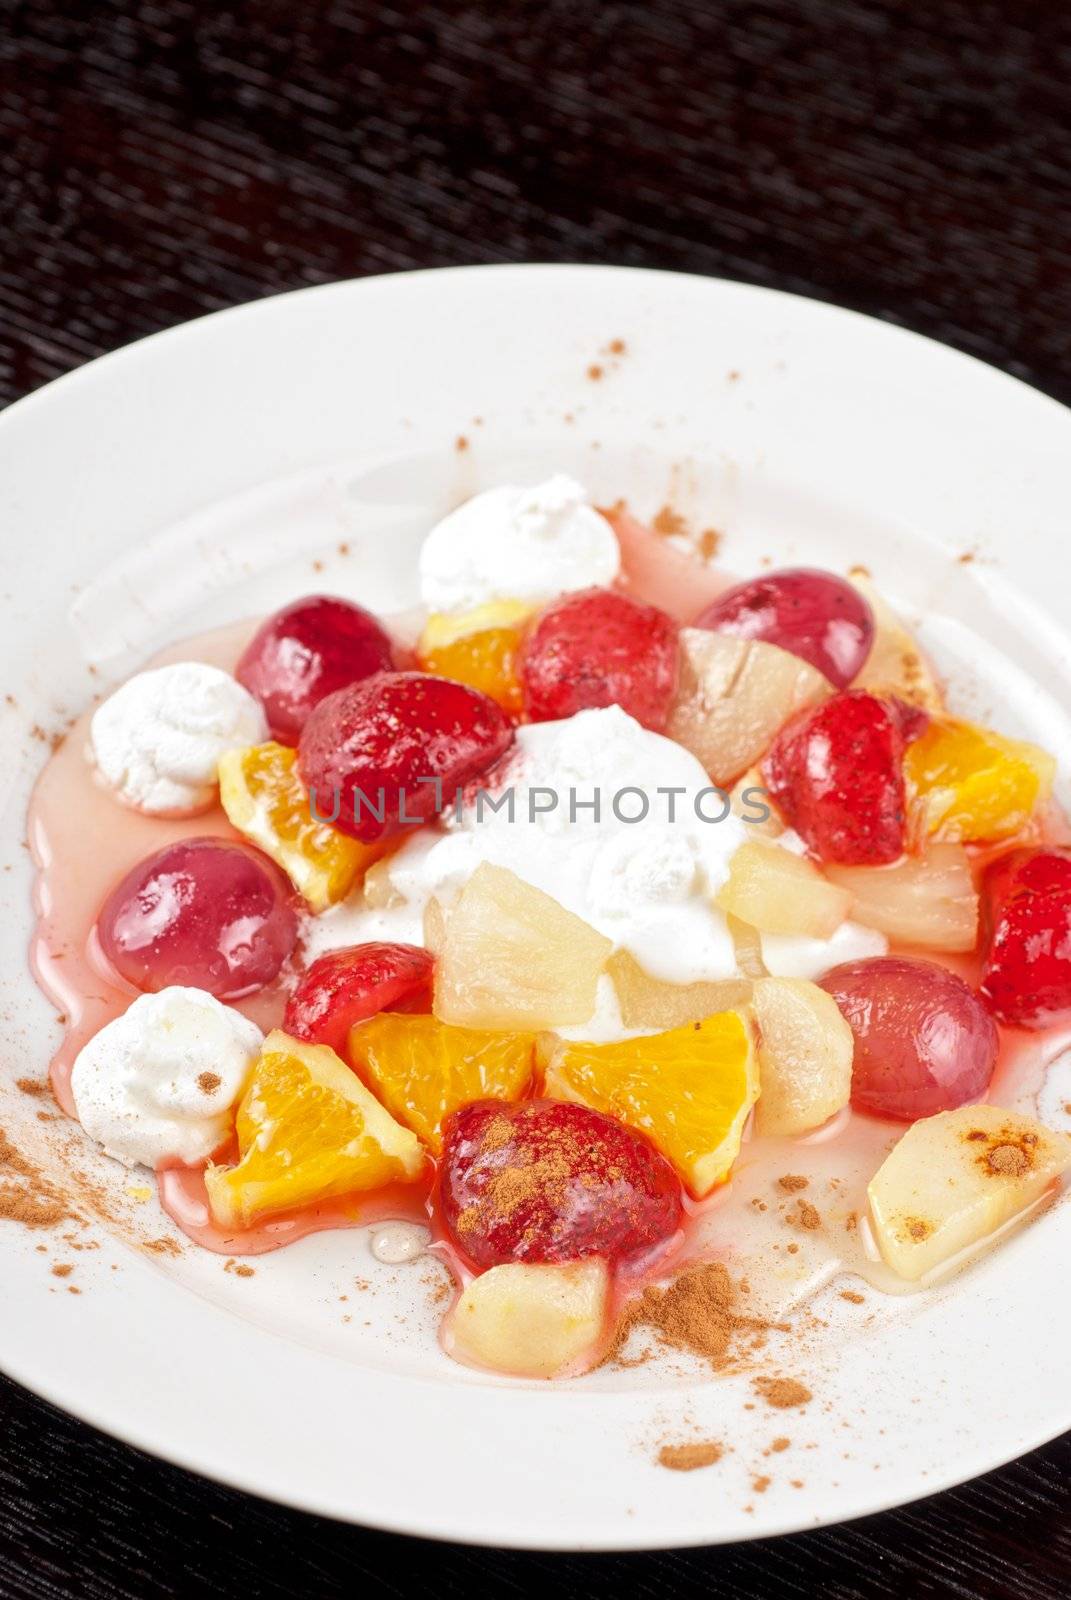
x=972 y=783
x=478 y=648
x=422 y=1069
x=308 y=1130
x=689 y=1090
x=264 y=798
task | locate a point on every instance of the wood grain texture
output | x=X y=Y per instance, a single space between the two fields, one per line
x=161 y=158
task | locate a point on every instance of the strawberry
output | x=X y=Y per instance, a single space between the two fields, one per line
x=305 y=652
x=1026 y=975
x=548 y=1180
x=350 y=984
x=370 y=751
x=600 y=648
x=836 y=774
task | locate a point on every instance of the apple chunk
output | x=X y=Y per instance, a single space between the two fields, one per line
x=805 y=1056
x=532 y=1320
x=954 y=1179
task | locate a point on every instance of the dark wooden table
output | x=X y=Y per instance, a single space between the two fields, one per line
x=161 y=158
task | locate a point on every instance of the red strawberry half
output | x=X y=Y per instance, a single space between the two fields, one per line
x=1026 y=979
x=349 y=985
x=547 y=1180
x=836 y=775
x=600 y=648
x=369 y=753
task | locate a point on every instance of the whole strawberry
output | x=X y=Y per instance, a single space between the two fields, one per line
x=547 y=1180
x=1026 y=976
x=370 y=752
x=600 y=648
x=348 y=985
x=836 y=775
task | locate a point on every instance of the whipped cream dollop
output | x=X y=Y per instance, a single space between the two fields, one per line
x=158 y=1083
x=647 y=885
x=518 y=543
x=157 y=740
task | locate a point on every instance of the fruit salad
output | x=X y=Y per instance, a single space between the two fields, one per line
x=563 y=923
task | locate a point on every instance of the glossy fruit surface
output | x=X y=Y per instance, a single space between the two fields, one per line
x=306 y=651
x=511 y=957
x=552 y=1182
x=815 y=615
x=1026 y=978
x=924 y=1042
x=688 y=1090
x=836 y=776
x=423 y=1069
x=928 y=900
x=350 y=984
x=970 y=783
x=479 y=648
x=308 y=1130
x=263 y=797
x=370 y=752
x=600 y=648
x=203 y=913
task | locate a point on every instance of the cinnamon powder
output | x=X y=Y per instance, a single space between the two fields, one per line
x=696 y=1313
x=686 y=1457
x=26 y=1195
x=782 y=1393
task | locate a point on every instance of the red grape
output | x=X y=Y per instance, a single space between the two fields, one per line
x=204 y=913
x=305 y=652
x=600 y=648
x=817 y=616
x=924 y=1042
x=547 y=1180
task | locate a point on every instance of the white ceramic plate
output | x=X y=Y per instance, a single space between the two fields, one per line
x=803 y=432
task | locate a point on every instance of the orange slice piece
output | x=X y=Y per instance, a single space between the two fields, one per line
x=308 y=1130
x=971 y=783
x=265 y=799
x=422 y=1069
x=689 y=1090
x=478 y=648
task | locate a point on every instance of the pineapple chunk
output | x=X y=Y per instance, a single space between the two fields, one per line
x=895 y=664
x=533 y=1321
x=734 y=696
x=928 y=901
x=776 y=891
x=646 y=1002
x=805 y=1056
x=954 y=1179
x=511 y=957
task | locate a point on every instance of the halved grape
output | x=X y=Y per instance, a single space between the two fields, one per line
x=305 y=652
x=924 y=1042
x=204 y=913
x=815 y=615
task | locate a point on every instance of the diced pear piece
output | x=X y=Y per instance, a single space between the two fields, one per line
x=805 y=1056
x=954 y=1179
x=532 y=1320
x=646 y=1002
x=734 y=696
x=895 y=664
x=773 y=889
x=511 y=957
x=928 y=901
